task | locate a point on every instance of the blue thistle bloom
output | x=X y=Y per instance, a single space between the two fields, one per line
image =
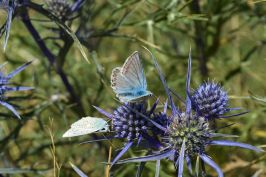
x=131 y=122
x=128 y=124
x=6 y=87
x=187 y=135
x=210 y=100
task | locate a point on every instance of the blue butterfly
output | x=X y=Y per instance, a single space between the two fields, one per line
x=129 y=82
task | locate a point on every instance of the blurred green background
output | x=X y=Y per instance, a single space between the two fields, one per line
x=227 y=38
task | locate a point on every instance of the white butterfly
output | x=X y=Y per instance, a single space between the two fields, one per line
x=129 y=82
x=87 y=125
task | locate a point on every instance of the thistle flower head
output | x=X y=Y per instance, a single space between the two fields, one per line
x=191 y=129
x=128 y=124
x=210 y=100
x=131 y=121
x=60 y=8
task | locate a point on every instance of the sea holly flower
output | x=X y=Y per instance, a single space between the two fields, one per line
x=187 y=135
x=63 y=9
x=210 y=100
x=60 y=8
x=128 y=123
x=5 y=86
x=9 y=7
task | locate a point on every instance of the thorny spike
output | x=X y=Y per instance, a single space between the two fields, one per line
x=188 y=100
x=165 y=106
x=107 y=114
x=174 y=109
x=154 y=106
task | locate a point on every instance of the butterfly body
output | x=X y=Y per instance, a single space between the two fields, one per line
x=134 y=96
x=87 y=125
x=129 y=82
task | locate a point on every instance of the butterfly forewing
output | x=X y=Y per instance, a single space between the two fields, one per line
x=133 y=71
x=129 y=82
x=85 y=126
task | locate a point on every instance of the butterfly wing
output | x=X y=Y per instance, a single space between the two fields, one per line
x=129 y=82
x=133 y=71
x=119 y=83
x=85 y=126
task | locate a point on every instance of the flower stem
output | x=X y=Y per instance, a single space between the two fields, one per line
x=107 y=170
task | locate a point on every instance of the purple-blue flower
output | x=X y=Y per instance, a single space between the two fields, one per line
x=188 y=133
x=133 y=122
x=210 y=100
x=6 y=86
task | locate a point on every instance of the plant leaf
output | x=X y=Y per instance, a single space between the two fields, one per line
x=17 y=70
x=11 y=108
x=210 y=162
x=140 y=169
x=155 y=157
x=162 y=78
x=157 y=173
x=188 y=100
x=181 y=159
x=122 y=152
x=78 y=171
x=232 y=143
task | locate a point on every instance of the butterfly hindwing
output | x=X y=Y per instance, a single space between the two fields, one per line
x=85 y=126
x=129 y=82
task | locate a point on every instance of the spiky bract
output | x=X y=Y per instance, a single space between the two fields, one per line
x=162 y=119
x=6 y=87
